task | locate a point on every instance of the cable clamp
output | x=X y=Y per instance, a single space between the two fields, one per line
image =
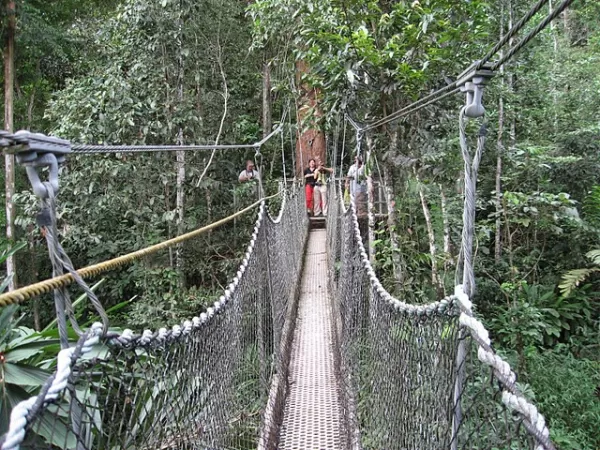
x=36 y=151
x=471 y=82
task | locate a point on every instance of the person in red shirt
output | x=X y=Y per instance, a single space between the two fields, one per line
x=309 y=184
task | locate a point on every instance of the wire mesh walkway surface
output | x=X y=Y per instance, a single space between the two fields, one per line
x=313 y=416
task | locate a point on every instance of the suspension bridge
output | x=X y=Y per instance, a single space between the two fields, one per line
x=305 y=348
x=300 y=352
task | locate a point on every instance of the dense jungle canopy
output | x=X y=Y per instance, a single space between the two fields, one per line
x=226 y=71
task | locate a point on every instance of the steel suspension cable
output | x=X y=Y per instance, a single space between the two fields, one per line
x=451 y=88
x=532 y=34
x=510 y=33
x=93 y=149
x=415 y=106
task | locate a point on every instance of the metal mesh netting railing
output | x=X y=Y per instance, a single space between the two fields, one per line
x=418 y=377
x=201 y=385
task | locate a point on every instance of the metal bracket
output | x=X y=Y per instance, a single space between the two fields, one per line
x=35 y=151
x=471 y=82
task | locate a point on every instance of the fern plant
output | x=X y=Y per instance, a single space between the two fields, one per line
x=591 y=206
x=573 y=278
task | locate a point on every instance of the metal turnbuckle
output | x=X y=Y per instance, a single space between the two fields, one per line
x=36 y=151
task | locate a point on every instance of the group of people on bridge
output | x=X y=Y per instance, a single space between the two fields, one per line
x=316 y=177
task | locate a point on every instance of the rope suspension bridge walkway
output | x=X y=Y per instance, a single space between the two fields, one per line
x=305 y=349
x=329 y=361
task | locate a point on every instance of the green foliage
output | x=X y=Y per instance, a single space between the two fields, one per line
x=22 y=352
x=591 y=207
x=573 y=278
x=566 y=393
x=370 y=48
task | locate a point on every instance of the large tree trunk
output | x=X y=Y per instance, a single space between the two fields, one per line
x=435 y=277
x=9 y=160
x=311 y=140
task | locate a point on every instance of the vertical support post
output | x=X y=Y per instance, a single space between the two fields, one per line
x=471 y=83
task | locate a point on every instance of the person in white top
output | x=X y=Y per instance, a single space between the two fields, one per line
x=320 y=190
x=357 y=183
x=249 y=174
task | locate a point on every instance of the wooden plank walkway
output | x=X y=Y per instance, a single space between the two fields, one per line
x=313 y=415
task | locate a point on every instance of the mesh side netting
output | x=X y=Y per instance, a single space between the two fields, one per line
x=202 y=385
x=411 y=374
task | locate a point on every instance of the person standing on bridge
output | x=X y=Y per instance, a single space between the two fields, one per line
x=309 y=184
x=320 y=190
x=356 y=180
x=249 y=174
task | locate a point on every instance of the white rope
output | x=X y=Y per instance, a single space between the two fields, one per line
x=18 y=417
x=442 y=306
x=528 y=410
x=511 y=396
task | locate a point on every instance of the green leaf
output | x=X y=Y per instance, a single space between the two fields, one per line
x=55 y=432
x=12 y=395
x=19 y=354
x=594 y=256
x=22 y=375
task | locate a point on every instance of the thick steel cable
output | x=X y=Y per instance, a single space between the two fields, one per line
x=510 y=33
x=543 y=24
x=471 y=167
x=43 y=287
x=413 y=107
x=92 y=149
x=354 y=124
x=283 y=159
x=61 y=262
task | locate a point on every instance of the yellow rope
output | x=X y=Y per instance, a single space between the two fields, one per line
x=43 y=287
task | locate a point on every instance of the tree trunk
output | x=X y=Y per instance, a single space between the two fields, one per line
x=180 y=158
x=311 y=141
x=397 y=262
x=370 y=200
x=435 y=278
x=448 y=259
x=511 y=80
x=266 y=100
x=9 y=159
x=500 y=151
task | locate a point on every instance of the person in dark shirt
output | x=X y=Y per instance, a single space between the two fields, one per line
x=309 y=184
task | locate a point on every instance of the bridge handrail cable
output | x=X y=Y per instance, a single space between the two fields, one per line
x=43 y=287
